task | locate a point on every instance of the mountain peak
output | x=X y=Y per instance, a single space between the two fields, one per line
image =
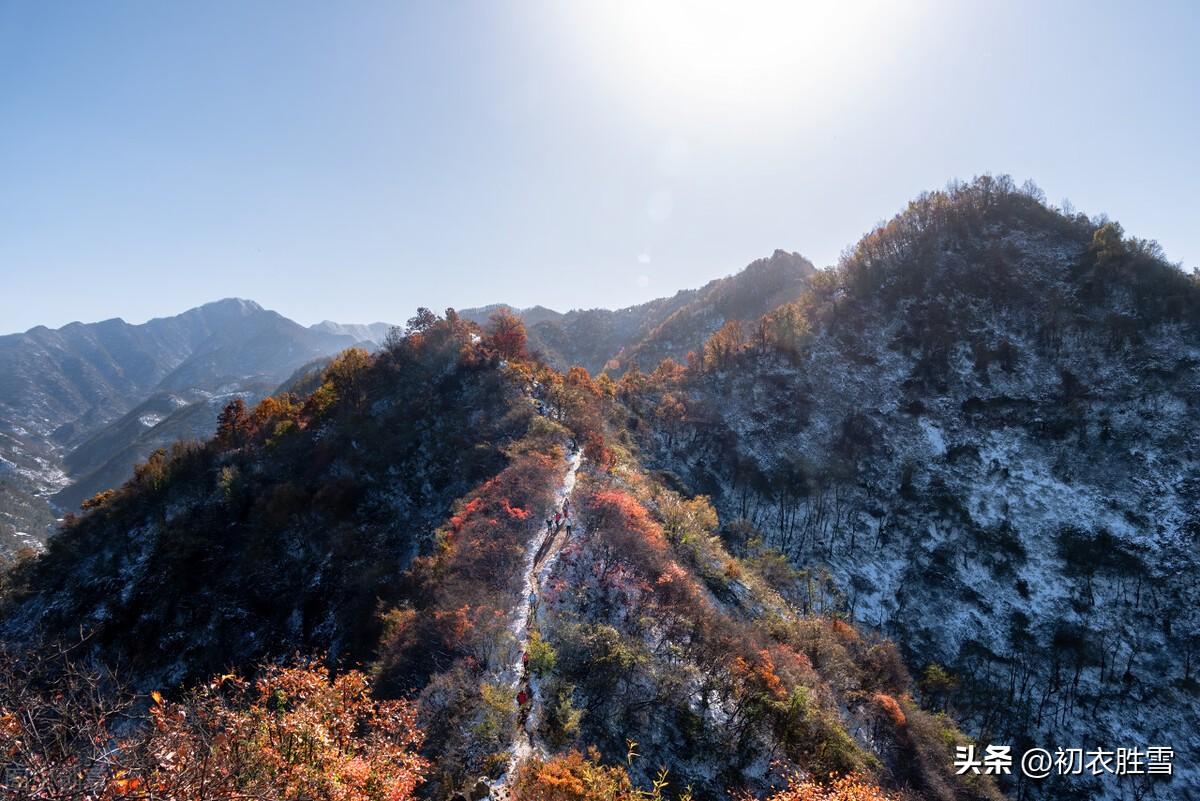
x=782 y=260
x=241 y=305
x=359 y=332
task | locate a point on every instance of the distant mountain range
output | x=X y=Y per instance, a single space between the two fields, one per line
x=82 y=404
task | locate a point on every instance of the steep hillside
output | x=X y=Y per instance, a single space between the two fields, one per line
x=284 y=532
x=29 y=470
x=763 y=286
x=983 y=425
x=106 y=461
x=79 y=387
x=402 y=517
x=649 y=631
x=645 y=334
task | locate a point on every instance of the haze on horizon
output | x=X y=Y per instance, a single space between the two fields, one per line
x=354 y=165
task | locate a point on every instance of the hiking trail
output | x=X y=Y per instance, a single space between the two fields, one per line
x=540 y=557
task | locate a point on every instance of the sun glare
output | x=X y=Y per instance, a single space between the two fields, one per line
x=712 y=58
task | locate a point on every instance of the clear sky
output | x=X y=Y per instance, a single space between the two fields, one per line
x=355 y=160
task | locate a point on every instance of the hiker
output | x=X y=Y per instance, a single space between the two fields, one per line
x=549 y=525
x=522 y=698
x=566 y=506
x=557 y=522
x=568 y=527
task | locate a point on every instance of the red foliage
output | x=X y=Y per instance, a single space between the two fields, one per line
x=613 y=509
x=515 y=512
x=468 y=583
x=454 y=624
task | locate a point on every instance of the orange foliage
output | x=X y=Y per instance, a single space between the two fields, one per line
x=293 y=734
x=572 y=777
x=668 y=371
x=846 y=788
x=723 y=346
x=843 y=629
x=506 y=335
x=888 y=705
x=271 y=409
x=760 y=675
x=579 y=377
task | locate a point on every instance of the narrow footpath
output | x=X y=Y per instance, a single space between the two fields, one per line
x=539 y=562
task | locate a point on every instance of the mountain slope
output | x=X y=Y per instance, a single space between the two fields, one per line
x=395 y=518
x=374 y=333
x=761 y=287
x=52 y=377
x=60 y=389
x=288 y=505
x=976 y=436
x=983 y=424
x=674 y=326
x=129 y=441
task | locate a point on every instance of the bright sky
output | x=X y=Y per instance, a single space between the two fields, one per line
x=354 y=161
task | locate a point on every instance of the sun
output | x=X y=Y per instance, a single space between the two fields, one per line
x=747 y=58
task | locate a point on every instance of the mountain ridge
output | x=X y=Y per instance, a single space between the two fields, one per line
x=981 y=426
x=387 y=520
x=950 y=481
x=599 y=339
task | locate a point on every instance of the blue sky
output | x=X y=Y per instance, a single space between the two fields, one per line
x=354 y=161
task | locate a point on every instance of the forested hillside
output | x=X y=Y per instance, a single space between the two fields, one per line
x=981 y=429
x=386 y=522
x=945 y=493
